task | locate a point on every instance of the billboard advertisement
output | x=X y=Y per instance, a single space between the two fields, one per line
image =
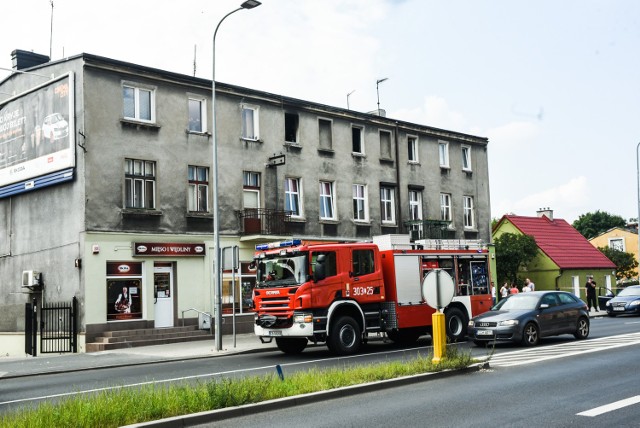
x=37 y=134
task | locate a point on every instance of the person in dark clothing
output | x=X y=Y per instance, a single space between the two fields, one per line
x=590 y=288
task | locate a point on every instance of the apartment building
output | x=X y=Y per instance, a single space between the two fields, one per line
x=106 y=187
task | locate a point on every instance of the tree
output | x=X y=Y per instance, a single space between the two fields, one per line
x=625 y=262
x=513 y=253
x=593 y=224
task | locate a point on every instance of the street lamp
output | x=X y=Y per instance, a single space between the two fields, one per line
x=378 y=92
x=217 y=271
x=638 y=219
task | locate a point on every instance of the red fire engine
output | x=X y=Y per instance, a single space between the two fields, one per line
x=340 y=293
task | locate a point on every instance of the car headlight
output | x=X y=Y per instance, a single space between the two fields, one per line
x=608 y=303
x=507 y=323
x=635 y=303
x=471 y=323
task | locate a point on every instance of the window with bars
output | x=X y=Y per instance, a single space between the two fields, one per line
x=140 y=184
x=198 y=195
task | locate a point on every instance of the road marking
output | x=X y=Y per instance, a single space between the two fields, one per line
x=611 y=407
x=535 y=355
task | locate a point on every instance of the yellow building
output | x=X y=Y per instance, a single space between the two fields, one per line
x=620 y=239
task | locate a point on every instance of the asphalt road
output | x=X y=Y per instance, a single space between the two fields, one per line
x=33 y=390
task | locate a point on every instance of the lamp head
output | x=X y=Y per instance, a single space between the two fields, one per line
x=250 y=4
x=381 y=80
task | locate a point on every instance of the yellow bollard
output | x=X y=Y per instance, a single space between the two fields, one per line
x=439 y=336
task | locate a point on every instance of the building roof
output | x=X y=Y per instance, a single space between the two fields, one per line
x=561 y=242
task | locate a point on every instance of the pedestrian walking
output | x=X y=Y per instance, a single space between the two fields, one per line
x=590 y=288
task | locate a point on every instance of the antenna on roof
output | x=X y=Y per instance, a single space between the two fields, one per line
x=195 y=47
x=51 y=32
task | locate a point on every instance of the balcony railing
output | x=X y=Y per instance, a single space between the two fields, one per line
x=262 y=221
x=429 y=229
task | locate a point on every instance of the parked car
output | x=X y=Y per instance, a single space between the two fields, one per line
x=604 y=295
x=626 y=302
x=55 y=127
x=526 y=317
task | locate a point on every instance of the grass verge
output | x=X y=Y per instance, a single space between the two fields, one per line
x=117 y=407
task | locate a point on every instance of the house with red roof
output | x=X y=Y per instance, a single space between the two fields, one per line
x=565 y=258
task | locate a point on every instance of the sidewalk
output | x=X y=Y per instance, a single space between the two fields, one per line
x=11 y=367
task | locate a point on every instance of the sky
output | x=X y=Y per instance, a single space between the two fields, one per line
x=554 y=85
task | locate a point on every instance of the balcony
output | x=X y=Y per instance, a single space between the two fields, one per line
x=429 y=229
x=262 y=221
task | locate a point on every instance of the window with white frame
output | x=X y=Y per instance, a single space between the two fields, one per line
x=385 y=144
x=293 y=196
x=357 y=139
x=327 y=201
x=412 y=147
x=250 y=190
x=415 y=205
x=198 y=197
x=443 y=152
x=445 y=207
x=468 y=213
x=360 y=203
x=466 y=158
x=617 y=244
x=388 y=205
x=140 y=184
x=197 y=115
x=250 y=123
x=138 y=103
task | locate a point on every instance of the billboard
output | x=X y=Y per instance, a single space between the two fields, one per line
x=37 y=131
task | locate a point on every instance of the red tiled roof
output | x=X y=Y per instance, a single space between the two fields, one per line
x=561 y=242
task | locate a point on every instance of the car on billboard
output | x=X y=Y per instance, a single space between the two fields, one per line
x=55 y=127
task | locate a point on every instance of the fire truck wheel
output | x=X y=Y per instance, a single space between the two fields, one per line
x=456 y=322
x=344 y=337
x=291 y=345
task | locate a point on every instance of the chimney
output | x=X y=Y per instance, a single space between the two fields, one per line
x=24 y=59
x=547 y=212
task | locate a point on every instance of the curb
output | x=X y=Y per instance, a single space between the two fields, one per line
x=298 y=400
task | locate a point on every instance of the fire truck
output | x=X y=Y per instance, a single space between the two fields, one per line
x=340 y=293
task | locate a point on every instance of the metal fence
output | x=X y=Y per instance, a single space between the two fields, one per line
x=58 y=327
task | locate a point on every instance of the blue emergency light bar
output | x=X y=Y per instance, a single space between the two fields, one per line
x=282 y=244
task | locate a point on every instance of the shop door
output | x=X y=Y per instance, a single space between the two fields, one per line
x=163 y=296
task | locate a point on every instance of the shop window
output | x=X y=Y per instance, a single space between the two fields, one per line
x=124 y=291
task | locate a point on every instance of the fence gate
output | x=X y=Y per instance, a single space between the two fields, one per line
x=58 y=332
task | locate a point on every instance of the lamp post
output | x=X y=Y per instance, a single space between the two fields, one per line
x=638 y=219
x=217 y=271
x=378 y=92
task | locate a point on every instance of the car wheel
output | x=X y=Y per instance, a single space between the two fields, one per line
x=456 y=324
x=345 y=337
x=291 y=346
x=582 y=331
x=530 y=335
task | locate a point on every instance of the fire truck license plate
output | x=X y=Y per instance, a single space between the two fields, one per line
x=275 y=333
x=484 y=333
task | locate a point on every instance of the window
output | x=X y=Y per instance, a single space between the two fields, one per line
x=617 y=244
x=360 y=207
x=292 y=194
x=140 y=184
x=291 y=127
x=197 y=115
x=385 y=145
x=362 y=262
x=325 y=134
x=469 y=220
x=415 y=205
x=466 y=158
x=139 y=103
x=250 y=129
x=251 y=189
x=330 y=262
x=443 y=150
x=387 y=205
x=197 y=199
x=412 y=147
x=327 y=201
x=445 y=207
x=357 y=145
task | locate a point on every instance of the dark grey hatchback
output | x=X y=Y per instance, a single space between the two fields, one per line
x=526 y=317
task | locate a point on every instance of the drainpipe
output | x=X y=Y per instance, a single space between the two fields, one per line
x=556 y=281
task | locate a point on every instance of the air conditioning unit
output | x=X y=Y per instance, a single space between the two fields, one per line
x=30 y=278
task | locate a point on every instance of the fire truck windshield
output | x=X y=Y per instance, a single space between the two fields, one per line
x=279 y=271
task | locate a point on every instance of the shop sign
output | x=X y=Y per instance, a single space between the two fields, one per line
x=169 y=249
